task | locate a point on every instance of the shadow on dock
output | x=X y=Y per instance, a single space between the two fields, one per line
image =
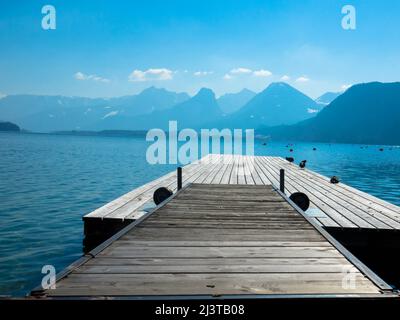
x=376 y=248
x=96 y=231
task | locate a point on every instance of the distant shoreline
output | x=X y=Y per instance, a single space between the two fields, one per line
x=142 y=134
x=107 y=133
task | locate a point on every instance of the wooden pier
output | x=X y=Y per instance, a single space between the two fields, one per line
x=221 y=241
x=332 y=205
x=228 y=233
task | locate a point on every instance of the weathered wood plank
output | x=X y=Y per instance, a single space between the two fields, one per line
x=209 y=284
x=253 y=227
x=222 y=269
x=109 y=261
x=120 y=250
x=218 y=235
x=210 y=243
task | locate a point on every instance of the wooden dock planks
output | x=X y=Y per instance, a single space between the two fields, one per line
x=218 y=240
x=340 y=205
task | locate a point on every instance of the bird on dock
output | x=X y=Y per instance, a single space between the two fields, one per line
x=290 y=159
x=302 y=164
x=335 y=179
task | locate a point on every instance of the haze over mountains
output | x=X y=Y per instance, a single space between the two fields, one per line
x=327 y=97
x=365 y=113
x=195 y=113
x=278 y=104
x=55 y=113
x=232 y=102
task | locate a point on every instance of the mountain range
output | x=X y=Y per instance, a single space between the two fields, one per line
x=55 y=113
x=278 y=104
x=364 y=113
x=196 y=112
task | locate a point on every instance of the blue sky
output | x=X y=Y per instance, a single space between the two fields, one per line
x=113 y=48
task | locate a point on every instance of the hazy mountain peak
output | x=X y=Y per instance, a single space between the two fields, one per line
x=279 y=103
x=246 y=91
x=231 y=102
x=279 y=88
x=205 y=90
x=327 y=97
x=152 y=89
x=279 y=85
x=205 y=93
x=155 y=91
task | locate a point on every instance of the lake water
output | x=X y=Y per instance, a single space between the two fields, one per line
x=48 y=182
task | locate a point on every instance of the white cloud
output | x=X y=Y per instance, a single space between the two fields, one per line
x=240 y=71
x=83 y=77
x=344 y=87
x=262 y=73
x=285 y=78
x=227 y=76
x=110 y=114
x=203 y=73
x=151 y=75
x=302 y=79
x=309 y=110
x=2 y=95
x=80 y=76
x=245 y=71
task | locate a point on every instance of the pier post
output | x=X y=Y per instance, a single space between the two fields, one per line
x=282 y=180
x=179 y=174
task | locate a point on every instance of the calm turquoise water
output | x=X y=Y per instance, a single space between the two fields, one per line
x=48 y=182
